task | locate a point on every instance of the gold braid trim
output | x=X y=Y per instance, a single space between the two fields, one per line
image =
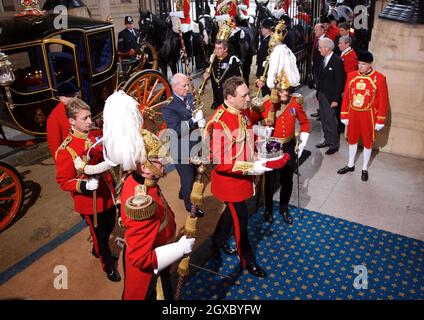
x=243 y=166
x=141 y=206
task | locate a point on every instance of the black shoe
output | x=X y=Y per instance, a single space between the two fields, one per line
x=200 y=213
x=315 y=115
x=229 y=249
x=268 y=216
x=331 y=151
x=346 y=169
x=226 y=248
x=322 y=145
x=287 y=217
x=112 y=274
x=255 y=269
x=364 y=176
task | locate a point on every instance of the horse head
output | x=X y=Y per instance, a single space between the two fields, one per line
x=145 y=23
x=262 y=12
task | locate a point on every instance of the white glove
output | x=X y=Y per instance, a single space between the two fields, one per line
x=262 y=131
x=242 y=7
x=344 y=121
x=259 y=168
x=79 y=164
x=202 y=123
x=304 y=136
x=178 y=14
x=378 y=126
x=168 y=254
x=198 y=116
x=186 y=244
x=91 y=169
x=92 y=184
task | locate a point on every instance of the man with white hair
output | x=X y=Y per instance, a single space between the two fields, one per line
x=149 y=221
x=330 y=84
x=180 y=116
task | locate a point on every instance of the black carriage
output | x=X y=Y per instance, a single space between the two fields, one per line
x=36 y=57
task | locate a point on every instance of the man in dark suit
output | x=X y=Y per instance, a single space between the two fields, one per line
x=178 y=115
x=331 y=78
x=127 y=38
x=224 y=67
x=316 y=57
x=266 y=26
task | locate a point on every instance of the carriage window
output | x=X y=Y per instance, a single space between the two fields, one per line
x=62 y=64
x=29 y=69
x=101 y=51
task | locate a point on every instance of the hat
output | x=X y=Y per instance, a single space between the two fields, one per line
x=286 y=19
x=332 y=17
x=129 y=20
x=66 y=89
x=324 y=20
x=267 y=23
x=365 y=56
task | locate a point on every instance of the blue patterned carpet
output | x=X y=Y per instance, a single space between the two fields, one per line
x=315 y=259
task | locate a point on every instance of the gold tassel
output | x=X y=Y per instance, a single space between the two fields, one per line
x=196 y=196
x=190 y=229
x=183 y=267
x=159 y=289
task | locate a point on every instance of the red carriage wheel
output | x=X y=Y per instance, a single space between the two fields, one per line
x=11 y=194
x=151 y=89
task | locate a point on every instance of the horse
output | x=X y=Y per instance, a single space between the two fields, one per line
x=160 y=34
x=262 y=12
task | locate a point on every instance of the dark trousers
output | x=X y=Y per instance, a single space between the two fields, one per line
x=285 y=174
x=328 y=121
x=225 y=227
x=101 y=234
x=187 y=173
x=286 y=187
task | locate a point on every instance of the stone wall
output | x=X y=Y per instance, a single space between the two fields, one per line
x=398 y=50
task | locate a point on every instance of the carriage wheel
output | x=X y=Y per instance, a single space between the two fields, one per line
x=151 y=89
x=11 y=194
x=150 y=57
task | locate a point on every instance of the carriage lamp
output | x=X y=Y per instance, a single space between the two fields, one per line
x=7 y=77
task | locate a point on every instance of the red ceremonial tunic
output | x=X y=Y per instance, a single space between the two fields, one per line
x=286 y=115
x=365 y=103
x=350 y=61
x=332 y=32
x=58 y=127
x=142 y=237
x=231 y=6
x=227 y=125
x=186 y=10
x=78 y=144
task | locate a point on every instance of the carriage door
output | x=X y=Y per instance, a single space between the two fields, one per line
x=63 y=63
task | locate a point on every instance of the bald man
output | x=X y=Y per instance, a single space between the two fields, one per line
x=179 y=117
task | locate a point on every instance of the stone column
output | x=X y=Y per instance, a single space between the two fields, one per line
x=398 y=50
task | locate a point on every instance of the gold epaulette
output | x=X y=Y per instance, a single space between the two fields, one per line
x=64 y=144
x=218 y=115
x=169 y=100
x=141 y=206
x=299 y=97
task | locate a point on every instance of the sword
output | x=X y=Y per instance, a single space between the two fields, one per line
x=296 y=149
